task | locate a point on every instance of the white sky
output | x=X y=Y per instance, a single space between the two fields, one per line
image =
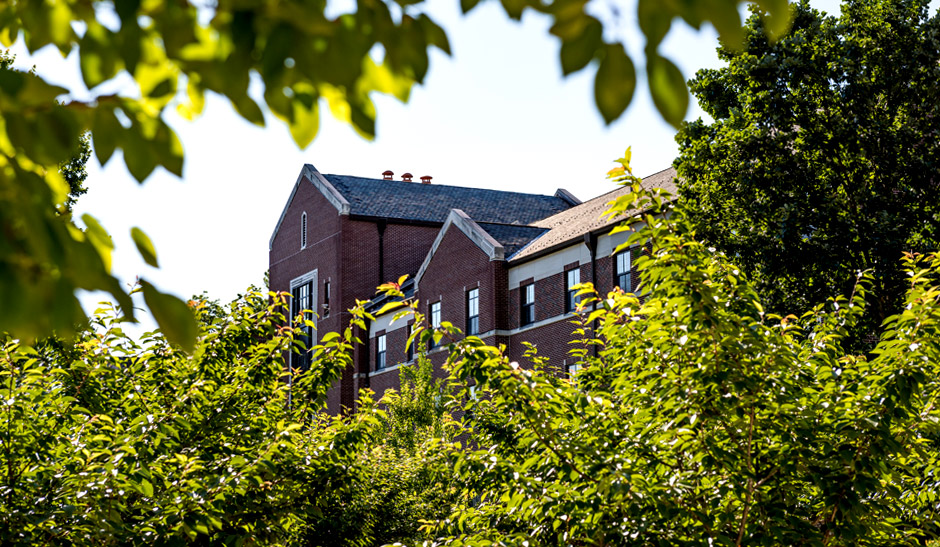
x=497 y=114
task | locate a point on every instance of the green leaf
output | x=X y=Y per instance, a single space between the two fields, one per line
x=306 y=121
x=778 y=18
x=144 y=246
x=614 y=83
x=726 y=19
x=139 y=154
x=173 y=315
x=99 y=238
x=248 y=109
x=514 y=8
x=105 y=133
x=434 y=34
x=98 y=55
x=577 y=53
x=467 y=5
x=389 y=306
x=668 y=88
x=146 y=488
x=655 y=19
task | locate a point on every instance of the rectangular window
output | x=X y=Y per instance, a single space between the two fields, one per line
x=380 y=352
x=326 y=299
x=622 y=275
x=572 y=278
x=435 y=320
x=301 y=303
x=527 y=315
x=473 y=311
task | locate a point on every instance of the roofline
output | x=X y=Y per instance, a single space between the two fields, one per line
x=436 y=185
x=605 y=194
x=472 y=230
x=320 y=183
x=568 y=242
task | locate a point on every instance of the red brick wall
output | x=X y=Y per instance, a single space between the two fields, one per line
x=288 y=261
x=457 y=266
x=406 y=247
x=552 y=341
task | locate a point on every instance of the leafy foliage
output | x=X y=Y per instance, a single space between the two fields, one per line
x=73 y=169
x=823 y=158
x=74 y=172
x=176 y=52
x=111 y=441
x=402 y=478
x=705 y=420
x=700 y=419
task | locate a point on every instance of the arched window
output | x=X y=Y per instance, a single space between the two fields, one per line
x=303 y=230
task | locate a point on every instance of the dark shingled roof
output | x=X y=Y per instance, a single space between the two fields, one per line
x=433 y=202
x=581 y=219
x=512 y=236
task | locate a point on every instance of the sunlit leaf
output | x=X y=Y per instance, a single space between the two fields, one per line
x=144 y=246
x=173 y=316
x=578 y=52
x=670 y=94
x=100 y=238
x=614 y=83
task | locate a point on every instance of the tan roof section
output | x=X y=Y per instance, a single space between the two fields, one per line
x=573 y=223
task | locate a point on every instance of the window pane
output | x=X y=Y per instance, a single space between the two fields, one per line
x=528 y=304
x=572 y=278
x=435 y=321
x=380 y=352
x=436 y=314
x=473 y=302
x=473 y=311
x=623 y=271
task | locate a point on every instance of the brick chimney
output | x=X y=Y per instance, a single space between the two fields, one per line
x=406 y=177
x=387 y=175
x=426 y=179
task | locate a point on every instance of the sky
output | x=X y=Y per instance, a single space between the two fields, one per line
x=496 y=114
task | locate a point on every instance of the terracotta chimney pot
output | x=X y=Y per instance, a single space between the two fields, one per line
x=426 y=179
x=406 y=177
x=387 y=175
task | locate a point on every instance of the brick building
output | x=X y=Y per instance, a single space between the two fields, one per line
x=495 y=264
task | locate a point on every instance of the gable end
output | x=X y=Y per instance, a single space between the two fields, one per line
x=320 y=183
x=493 y=249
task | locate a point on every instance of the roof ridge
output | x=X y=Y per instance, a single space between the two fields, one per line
x=420 y=184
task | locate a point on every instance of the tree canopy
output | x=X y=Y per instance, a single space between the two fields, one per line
x=700 y=419
x=304 y=57
x=823 y=156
